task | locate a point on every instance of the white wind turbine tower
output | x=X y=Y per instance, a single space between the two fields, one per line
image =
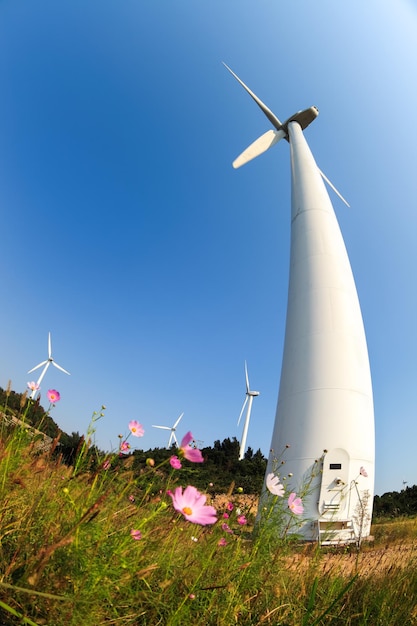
x=173 y=428
x=325 y=404
x=250 y=395
x=49 y=361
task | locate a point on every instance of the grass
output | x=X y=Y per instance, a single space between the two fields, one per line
x=68 y=558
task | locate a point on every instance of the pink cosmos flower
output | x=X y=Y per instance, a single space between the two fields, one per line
x=227 y=528
x=124 y=446
x=131 y=498
x=33 y=386
x=136 y=429
x=363 y=472
x=136 y=534
x=222 y=542
x=191 y=454
x=295 y=504
x=274 y=486
x=242 y=520
x=229 y=506
x=175 y=462
x=53 y=396
x=192 y=504
x=225 y=515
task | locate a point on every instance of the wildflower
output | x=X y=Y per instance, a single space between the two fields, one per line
x=295 y=504
x=194 y=538
x=242 y=520
x=131 y=498
x=136 y=534
x=106 y=464
x=227 y=528
x=363 y=472
x=222 y=542
x=150 y=462
x=175 y=462
x=191 y=454
x=274 y=486
x=229 y=506
x=53 y=396
x=192 y=504
x=226 y=515
x=136 y=429
x=192 y=596
x=33 y=386
x=124 y=446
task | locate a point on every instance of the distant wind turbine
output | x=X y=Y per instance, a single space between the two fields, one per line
x=250 y=395
x=173 y=428
x=49 y=361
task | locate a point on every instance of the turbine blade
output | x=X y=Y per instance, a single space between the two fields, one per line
x=247 y=378
x=163 y=427
x=37 y=366
x=259 y=146
x=49 y=346
x=272 y=118
x=60 y=368
x=243 y=408
x=178 y=421
x=333 y=187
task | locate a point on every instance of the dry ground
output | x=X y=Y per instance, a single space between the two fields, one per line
x=371 y=560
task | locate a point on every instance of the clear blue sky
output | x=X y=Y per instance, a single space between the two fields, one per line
x=158 y=268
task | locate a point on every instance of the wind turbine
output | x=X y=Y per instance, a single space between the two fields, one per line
x=49 y=361
x=324 y=419
x=173 y=428
x=250 y=395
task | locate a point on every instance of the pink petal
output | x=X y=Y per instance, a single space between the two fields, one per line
x=186 y=439
x=193 y=454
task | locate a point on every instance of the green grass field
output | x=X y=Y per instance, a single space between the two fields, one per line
x=91 y=547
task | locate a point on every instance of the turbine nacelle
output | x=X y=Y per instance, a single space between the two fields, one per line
x=304 y=118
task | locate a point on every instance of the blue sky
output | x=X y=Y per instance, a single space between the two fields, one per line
x=158 y=268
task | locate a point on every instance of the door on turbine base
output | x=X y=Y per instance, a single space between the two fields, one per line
x=334 y=490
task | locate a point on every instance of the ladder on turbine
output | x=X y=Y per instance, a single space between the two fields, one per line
x=336 y=531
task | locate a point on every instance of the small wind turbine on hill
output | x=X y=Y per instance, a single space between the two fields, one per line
x=49 y=361
x=173 y=428
x=250 y=395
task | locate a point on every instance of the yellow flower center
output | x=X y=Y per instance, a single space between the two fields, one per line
x=133 y=429
x=187 y=511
